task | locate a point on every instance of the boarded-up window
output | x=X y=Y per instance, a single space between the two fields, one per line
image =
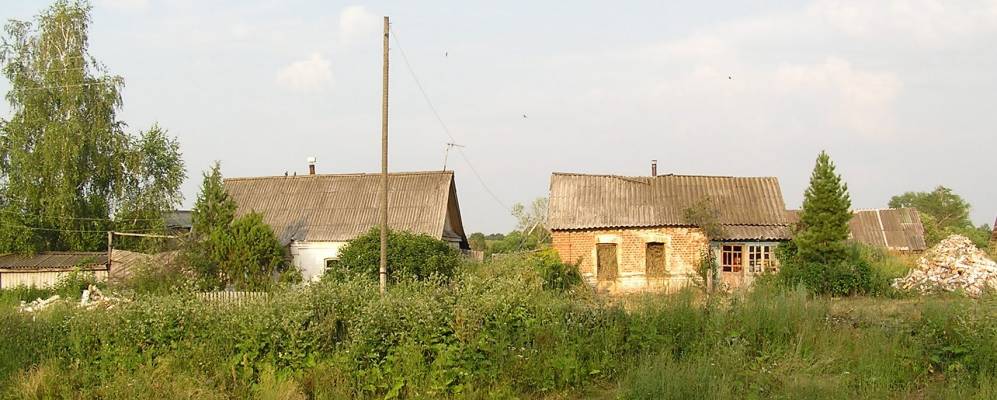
x=655 y=260
x=606 y=266
x=731 y=258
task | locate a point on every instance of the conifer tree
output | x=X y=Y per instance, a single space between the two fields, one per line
x=213 y=209
x=211 y=217
x=820 y=256
x=823 y=228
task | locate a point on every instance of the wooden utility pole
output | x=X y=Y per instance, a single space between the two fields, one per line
x=384 y=165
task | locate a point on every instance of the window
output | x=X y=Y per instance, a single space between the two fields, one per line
x=606 y=261
x=730 y=258
x=331 y=264
x=760 y=259
x=655 y=260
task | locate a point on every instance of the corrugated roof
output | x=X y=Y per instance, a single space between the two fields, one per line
x=892 y=228
x=580 y=201
x=178 y=219
x=340 y=207
x=54 y=260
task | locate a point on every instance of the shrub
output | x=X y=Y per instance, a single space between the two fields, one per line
x=556 y=274
x=410 y=256
x=253 y=255
x=851 y=276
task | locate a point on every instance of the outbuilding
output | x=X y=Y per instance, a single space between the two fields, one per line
x=47 y=268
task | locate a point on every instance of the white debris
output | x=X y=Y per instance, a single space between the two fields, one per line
x=38 y=304
x=953 y=264
x=91 y=298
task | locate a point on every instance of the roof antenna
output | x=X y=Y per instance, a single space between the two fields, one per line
x=446 y=153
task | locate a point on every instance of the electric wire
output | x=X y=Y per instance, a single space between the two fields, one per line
x=443 y=124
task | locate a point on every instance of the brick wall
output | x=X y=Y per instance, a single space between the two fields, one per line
x=683 y=249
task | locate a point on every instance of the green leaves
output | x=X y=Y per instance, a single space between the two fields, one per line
x=819 y=255
x=410 y=256
x=66 y=164
x=223 y=250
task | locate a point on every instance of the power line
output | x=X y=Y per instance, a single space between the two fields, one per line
x=443 y=124
x=36 y=228
x=57 y=86
x=78 y=218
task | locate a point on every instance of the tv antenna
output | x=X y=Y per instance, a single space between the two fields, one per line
x=446 y=153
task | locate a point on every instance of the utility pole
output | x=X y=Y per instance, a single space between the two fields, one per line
x=384 y=165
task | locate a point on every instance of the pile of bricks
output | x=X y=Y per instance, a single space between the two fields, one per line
x=954 y=264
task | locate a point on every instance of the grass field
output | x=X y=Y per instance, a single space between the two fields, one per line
x=494 y=332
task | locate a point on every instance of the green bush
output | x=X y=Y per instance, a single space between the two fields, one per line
x=410 y=256
x=851 y=276
x=556 y=274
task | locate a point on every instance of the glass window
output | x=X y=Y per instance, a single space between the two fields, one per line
x=760 y=259
x=731 y=258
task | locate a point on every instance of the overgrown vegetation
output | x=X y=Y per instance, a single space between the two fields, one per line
x=410 y=256
x=500 y=330
x=531 y=232
x=227 y=251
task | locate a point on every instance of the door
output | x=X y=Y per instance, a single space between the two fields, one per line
x=606 y=266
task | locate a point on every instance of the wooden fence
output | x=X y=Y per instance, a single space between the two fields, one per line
x=227 y=297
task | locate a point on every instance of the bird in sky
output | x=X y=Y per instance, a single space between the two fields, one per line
x=524 y=116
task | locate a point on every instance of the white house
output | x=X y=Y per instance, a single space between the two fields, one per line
x=315 y=215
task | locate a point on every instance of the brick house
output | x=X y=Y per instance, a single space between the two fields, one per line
x=629 y=234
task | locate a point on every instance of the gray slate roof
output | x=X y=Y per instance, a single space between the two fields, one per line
x=340 y=207
x=892 y=228
x=750 y=208
x=54 y=261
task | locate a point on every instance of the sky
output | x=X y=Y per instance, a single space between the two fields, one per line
x=901 y=93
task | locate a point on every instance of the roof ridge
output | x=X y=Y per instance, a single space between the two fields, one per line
x=352 y=174
x=660 y=176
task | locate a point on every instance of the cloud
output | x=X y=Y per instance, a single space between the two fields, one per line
x=356 y=23
x=125 y=4
x=918 y=22
x=311 y=74
x=862 y=100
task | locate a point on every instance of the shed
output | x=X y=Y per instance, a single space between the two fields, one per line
x=895 y=229
x=45 y=269
x=315 y=215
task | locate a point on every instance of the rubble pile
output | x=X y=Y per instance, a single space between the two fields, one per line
x=953 y=264
x=91 y=298
x=38 y=304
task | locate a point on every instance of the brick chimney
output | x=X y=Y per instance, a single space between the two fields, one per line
x=311 y=165
x=654 y=167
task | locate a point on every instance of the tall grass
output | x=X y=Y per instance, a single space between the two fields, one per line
x=495 y=331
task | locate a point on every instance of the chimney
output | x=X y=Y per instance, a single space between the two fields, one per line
x=654 y=167
x=311 y=165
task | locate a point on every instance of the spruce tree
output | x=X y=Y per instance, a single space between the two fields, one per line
x=823 y=228
x=820 y=256
x=212 y=217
